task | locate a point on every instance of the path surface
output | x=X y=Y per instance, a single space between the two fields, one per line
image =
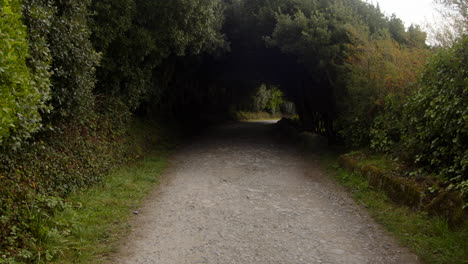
x=238 y=196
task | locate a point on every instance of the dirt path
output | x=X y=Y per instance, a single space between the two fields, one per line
x=237 y=196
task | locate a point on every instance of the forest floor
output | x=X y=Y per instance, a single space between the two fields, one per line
x=239 y=194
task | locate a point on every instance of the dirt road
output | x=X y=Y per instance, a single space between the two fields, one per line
x=238 y=196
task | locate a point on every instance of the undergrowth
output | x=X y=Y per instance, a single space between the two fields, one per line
x=48 y=178
x=99 y=216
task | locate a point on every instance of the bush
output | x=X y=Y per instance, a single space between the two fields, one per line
x=437 y=132
x=36 y=179
x=381 y=75
x=385 y=133
x=22 y=94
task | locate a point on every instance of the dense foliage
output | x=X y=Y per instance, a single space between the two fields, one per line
x=136 y=37
x=24 y=90
x=73 y=75
x=382 y=74
x=436 y=131
x=51 y=50
x=74 y=60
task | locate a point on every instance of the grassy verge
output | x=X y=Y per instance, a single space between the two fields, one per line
x=428 y=237
x=100 y=215
x=90 y=222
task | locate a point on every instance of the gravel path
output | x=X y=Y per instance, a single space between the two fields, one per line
x=238 y=196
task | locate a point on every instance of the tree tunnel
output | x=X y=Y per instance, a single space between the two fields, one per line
x=209 y=85
x=187 y=59
x=194 y=61
x=83 y=82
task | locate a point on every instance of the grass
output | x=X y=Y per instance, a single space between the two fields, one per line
x=379 y=160
x=100 y=216
x=429 y=237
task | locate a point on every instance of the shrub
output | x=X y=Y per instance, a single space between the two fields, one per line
x=382 y=74
x=36 y=179
x=437 y=130
x=22 y=94
x=385 y=133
